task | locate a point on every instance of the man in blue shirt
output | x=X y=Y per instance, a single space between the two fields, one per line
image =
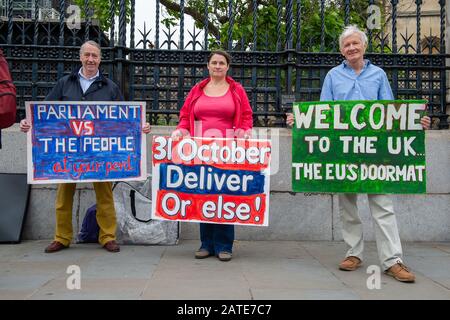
x=358 y=79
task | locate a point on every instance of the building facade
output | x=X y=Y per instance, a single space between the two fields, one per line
x=26 y=9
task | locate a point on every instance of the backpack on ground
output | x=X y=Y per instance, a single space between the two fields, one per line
x=8 y=105
x=133 y=206
x=89 y=229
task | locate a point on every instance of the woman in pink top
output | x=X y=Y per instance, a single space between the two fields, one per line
x=216 y=107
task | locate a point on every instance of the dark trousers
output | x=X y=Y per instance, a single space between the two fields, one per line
x=217 y=237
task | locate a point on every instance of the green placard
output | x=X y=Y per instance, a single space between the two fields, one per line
x=359 y=147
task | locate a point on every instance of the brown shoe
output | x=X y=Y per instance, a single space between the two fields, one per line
x=350 y=263
x=401 y=273
x=54 y=247
x=202 y=254
x=112 y=246
x=224 y=256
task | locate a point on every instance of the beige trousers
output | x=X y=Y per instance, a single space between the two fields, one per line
x=385 y=225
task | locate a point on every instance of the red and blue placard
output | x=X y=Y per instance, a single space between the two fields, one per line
x=211 y=180
x=86 y=141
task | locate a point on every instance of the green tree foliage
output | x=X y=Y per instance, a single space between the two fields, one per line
x=101 y=11
x=270 y=34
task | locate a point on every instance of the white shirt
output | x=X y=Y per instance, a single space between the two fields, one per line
x=86 y=82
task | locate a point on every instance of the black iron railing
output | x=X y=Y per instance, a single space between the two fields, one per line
x=157 y=63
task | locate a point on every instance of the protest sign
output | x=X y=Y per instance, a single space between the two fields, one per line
x=359 y=147
x=85 y=141
x=211 y=180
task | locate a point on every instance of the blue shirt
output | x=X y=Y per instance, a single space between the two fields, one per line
x=86 y=82
x=342 y=83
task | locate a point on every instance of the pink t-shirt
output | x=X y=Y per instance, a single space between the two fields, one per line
x=215 y=113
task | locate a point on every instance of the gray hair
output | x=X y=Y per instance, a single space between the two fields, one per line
x=92 y=43
x=350 y=30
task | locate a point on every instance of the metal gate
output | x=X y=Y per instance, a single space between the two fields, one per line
x=159 y=65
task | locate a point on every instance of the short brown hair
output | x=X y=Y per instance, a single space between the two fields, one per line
x=221 y=53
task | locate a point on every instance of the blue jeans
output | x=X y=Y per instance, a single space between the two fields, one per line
x=217 y=237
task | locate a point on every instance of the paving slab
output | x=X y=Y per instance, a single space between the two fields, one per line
x=259 y=270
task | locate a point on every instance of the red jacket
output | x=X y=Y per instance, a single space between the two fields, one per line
x=243 y=116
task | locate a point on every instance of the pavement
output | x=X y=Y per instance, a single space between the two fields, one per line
x=259 y=270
